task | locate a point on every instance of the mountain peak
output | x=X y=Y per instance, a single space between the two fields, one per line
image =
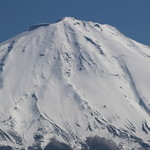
x=66 y=19
x=71 y=81
x=36 y=26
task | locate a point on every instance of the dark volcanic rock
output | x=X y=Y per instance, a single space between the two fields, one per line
x=56 y=145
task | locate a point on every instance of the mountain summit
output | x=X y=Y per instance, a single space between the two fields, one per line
x=73 y=83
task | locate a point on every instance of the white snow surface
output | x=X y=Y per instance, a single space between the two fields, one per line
x=71 y=80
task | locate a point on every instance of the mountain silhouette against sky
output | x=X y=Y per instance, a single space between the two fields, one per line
x=74 y=85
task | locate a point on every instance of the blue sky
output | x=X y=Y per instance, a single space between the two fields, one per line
x=131 y=17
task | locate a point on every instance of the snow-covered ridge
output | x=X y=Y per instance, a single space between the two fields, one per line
x=71 y=80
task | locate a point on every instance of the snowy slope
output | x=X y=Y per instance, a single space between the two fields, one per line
x=72 y=80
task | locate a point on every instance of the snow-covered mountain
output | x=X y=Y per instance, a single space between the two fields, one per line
x=71 y=81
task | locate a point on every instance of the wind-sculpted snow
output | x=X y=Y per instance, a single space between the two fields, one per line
x=133 y=87
x=71 y=84
x=3 y=59
x=37 y=26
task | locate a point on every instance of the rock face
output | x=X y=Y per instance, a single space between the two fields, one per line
x=71 y=84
